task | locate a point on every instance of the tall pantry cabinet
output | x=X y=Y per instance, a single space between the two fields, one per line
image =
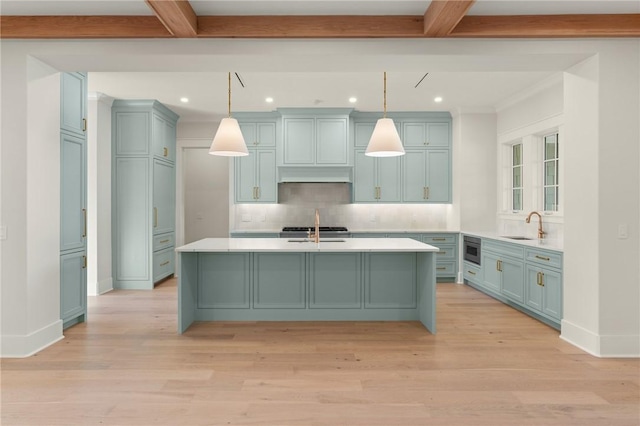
x=143 y=188
x=73 y=198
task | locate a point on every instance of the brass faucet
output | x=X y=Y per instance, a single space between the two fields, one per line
x=316 y=234
x=541 y=233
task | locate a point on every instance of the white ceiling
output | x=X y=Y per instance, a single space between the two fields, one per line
x=472 y=81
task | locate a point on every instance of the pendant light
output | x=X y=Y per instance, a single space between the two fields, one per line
x=228 y=141
x=385 y=141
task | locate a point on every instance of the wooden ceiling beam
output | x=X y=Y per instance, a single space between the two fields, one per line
x=77 y=27
x=442 y=16
x=177 y=16
x=542 y=26
x=305 y=26
x=106 y=27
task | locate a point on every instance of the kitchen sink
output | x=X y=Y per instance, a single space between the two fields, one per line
x=517 y=238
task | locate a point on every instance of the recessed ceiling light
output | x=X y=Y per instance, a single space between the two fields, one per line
x=353 y=99
x=268 y=100
x=184 y=100
x=437 y=99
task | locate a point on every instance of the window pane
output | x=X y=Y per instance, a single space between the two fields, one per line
x=551 y=199
x=517 y=199
x=517 y=154
x=551 y=147
x=517 y=177
x=550 y=173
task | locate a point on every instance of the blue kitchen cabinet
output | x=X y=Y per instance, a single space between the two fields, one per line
x=280 y=280
x=73 y=198
x=382 y=269
x=426 y=176
x=258 y=134
x=226 y=280
x=426 y=134
x=335 y=280
x=314 y=137
x=504 y=274
x=255 y=177
x=376 y=180
x=143 y=189
x=544 y=283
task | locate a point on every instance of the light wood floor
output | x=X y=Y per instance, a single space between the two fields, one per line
x=488 y=365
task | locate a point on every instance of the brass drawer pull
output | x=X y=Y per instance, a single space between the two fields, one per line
x=442 y=252
x=441 y=268
x=163 y=241
x=542 y=258
x=471 y=272
x=164 y=263
x=439 y=239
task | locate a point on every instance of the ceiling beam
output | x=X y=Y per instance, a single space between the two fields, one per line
x=76 y=27
x=306 y=26
x=105 y=27
x=177 y=16
x=541 y=26
x=442 y=16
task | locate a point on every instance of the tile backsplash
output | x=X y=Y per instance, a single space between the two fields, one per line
x=554 y=230
x=298 y=201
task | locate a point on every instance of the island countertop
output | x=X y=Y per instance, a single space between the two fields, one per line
x=328 y=245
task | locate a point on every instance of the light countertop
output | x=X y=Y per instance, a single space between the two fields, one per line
x=325 y=245
x=545 y=243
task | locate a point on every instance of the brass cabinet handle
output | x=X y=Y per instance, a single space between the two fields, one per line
x=426 y=188
x=471 y=272
x=257 y=192
x=441 y=268
x=165 y=152
x=542 y=258
x=542 y=279
x=164 y=263
x=84 y=124
x=379 y=193
x=163 y=241
x=84 y=228
x=439 y=239
x=84 y=262
x=155 y=217
x=499 y=265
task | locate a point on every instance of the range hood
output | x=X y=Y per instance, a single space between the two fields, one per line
x=315 y=174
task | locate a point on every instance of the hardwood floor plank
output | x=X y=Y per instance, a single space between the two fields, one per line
x=489 y=365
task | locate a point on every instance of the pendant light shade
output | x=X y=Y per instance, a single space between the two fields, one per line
x=385 y=140
x=228 y=141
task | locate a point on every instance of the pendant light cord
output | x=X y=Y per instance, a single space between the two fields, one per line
x=384 y=114
x=229 y=94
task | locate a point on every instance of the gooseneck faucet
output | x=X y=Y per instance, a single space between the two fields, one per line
x=541 y=233
x=316 y=223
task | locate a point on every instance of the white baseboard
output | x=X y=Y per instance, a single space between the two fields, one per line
x=22 y=346
x=602 y=346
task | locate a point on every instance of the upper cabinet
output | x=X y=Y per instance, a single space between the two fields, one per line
x=426 y=134
x=315 y=137
x=73 y=103
x=425 y=176
x=163 y=135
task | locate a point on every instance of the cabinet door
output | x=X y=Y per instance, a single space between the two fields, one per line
x=132 y=136
x=363 y=132
x=245 y=178
x=170 y=141
x=249 y=133
x=158 y=137
x=364 y=182
x=513 y=280
x=331 y=141
x=73 y=286
x=388 y=172
x=414 y=134
x=266 y=134
x=163 y=197
x=492 y=275
x=299 y=141
x=73 y=192
x=552 y=294
x=437 y=171
x=534 y=291
x=414 y=176
x=73 y=103
x=437 y=134
x=266 y=174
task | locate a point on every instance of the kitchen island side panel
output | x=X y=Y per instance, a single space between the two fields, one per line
x=187 y=290
x=427 y=290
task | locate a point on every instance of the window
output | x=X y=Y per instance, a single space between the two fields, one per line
x=516 y=177
x=550 y=172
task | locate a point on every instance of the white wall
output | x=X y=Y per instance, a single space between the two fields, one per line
x=99 y=276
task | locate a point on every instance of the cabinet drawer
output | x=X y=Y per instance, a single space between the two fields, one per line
x=447 y=252
x=163 y=241
x=503 y=248
x=445 y=269
x=163 y=264
x=472 y=272
x=438 y=239
x=543 y=257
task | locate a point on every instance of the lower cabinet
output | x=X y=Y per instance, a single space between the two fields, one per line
x=73 y=288
x=528 y=279
x=335 y=280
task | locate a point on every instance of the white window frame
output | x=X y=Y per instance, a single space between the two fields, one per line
x=521 y=187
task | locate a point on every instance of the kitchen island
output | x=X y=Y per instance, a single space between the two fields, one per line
x=279 y=279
